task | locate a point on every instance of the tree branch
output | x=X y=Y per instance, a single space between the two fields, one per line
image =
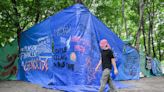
x=17 y=15
x=17 y=23
x=77 y=1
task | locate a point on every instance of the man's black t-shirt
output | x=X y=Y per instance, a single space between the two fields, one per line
x=107 y=55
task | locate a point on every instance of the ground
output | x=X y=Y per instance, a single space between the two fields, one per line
x=153 y=84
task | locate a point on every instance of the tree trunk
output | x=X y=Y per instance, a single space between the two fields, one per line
x=159 y=48
x=152 y=28
x=151 y=46
x=144 y=35
x=37 y=4
x=149 y=35
x=152 y=42
x=117 y=26
x=137 y=43
x=158 y=39
x=124 y=18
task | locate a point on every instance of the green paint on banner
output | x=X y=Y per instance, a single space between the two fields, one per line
x=9 y=61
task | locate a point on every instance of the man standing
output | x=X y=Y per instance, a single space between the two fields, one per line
x=107 y=60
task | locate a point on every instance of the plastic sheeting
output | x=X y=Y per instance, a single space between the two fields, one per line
x=146 y=72
x=63 y=51
x=156 y=67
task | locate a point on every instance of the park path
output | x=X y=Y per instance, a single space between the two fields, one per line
x=153 y=84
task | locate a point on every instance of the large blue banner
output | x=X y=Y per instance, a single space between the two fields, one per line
x=35 y=54
x=64 y=51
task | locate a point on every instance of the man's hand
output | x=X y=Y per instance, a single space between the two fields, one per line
x=98 y=65
x=115 y=71
x=114 y=65
x=96 y=69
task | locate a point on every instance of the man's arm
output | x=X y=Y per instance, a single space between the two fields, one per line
x=114 y=65
x=97 y=67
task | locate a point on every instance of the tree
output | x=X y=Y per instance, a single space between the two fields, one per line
x=140 y=28
x=124 y=19
x=17 y=16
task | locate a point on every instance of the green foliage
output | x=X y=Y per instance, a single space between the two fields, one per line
x=29 y=12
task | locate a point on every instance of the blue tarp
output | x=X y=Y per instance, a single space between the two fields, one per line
x=63 y=51
x=156 y=67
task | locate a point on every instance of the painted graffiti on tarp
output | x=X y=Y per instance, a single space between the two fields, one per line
x=60 y=57
x=64 y=65
x=90 y=70
x=61 y=31
x=61 y=48
x=35 y=57
x=36 y=65
x=11 y=68
x=67 y=54
x=83 y=44
x=60 y=54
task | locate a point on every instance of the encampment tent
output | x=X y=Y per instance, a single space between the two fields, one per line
x=63 y=50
